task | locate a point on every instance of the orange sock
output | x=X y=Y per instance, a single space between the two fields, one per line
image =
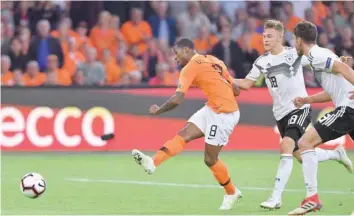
x=171 y=148
x=222 y=175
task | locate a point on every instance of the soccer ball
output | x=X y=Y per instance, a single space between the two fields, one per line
x=32 y=185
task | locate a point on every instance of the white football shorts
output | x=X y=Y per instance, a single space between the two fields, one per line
x=217 y=128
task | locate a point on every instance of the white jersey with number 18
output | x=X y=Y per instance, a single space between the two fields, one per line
x=284 y=78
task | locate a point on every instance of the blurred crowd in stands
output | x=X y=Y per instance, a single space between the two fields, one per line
x=127 y=43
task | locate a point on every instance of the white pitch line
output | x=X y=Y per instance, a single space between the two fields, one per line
x=117 y=181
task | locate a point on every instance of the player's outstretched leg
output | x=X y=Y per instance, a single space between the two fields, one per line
x=339 y=154
x=220 y=172
x=307 y=145
x=169 y=149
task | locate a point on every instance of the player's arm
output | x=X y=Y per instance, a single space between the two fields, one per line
x=170 y=104
x=235 y=88
x=321 y=97
x=344 y=70
x=244 y=84
x=250 y=80
x=186 y=79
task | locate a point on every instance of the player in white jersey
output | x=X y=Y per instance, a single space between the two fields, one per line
x=282 y=68
x=337 y=80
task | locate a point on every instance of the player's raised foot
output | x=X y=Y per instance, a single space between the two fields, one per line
x=143 y=160
x=344 y=159
x=310 y=204
x=271 y=203
x=230 y=200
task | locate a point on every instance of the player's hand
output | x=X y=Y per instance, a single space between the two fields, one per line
x=351 y=95
x=153 y=109
x=345 y=59
x=299 y=102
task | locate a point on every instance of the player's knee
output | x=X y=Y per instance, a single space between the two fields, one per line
x=187 y=136
x=210 y=161
x=287 y=146
x=304 y=144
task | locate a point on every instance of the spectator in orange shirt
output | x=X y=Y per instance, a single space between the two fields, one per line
x=292 y=19
x=137 y=31
x=205 y=41
x=160 y=78
x=102 y=36
x=72 y=58
x=63 y=35
x=251 y=39
x=129 y=69
x=83 y=42
x=56 y=76
x=66 y=21
x=172 y=76
x=33 y=77
x=113 y=72
x=319 y=11
x=114 y=24
x=256 y=40
x=7 y=77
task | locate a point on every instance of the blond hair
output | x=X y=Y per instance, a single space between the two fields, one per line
x=275 y=24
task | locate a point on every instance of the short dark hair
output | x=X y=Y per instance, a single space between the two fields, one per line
x=307 y=31
x=185 y=42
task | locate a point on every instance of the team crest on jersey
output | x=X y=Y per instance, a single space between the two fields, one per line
x=289 y=58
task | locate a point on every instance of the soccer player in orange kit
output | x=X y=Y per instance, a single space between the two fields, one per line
x=215 y=121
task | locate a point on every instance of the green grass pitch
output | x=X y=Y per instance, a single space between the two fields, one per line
x=111 y=183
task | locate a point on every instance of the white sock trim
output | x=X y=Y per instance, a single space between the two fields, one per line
x=307 y=151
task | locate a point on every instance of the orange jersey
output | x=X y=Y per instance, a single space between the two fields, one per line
x=210 y=74
x=38 y=80
x=7 y=79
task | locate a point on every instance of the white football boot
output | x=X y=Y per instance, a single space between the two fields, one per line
x=344 y=159
x=271 y=203
x=143 y=160
x=230 y=200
